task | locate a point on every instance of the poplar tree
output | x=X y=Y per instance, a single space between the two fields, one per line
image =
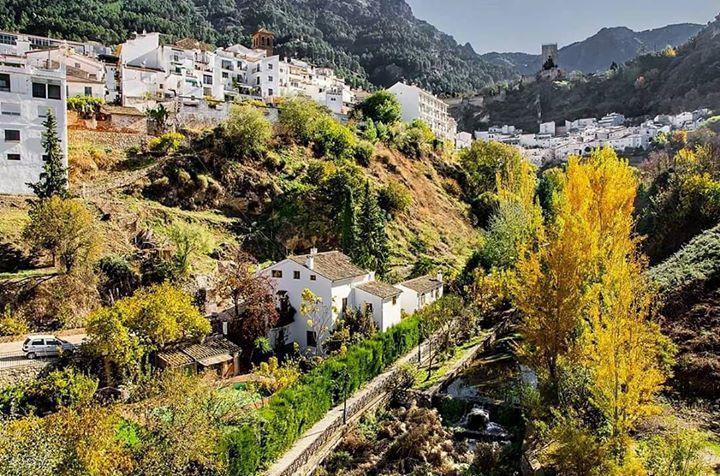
x=53 y=178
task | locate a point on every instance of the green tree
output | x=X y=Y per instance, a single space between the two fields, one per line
x=348 y=236
x=382 y=106
x=298 y=117
x=248 y=132
x=53 y=178
x=372 y=243
x=66 y=229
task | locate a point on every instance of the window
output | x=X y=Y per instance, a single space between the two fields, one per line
x=313 y=277
x=45 y=157
x=311 y=337
x=54 y=91
x=39 y=90
x=37 y=342
x=270 y=66
x=257 y=80
x=207 y=79
x=270 y=79
x=368 y=308
x=296 y=274
x=225 y=75
x=344 y=304
x=5 y=82
x=276 y=273
x=88 y=91
x=12 y=135
x=270 y=92
x=10 y=109
x=394 y=300
x=13 y=156
x=43 y=111
x=52 y=342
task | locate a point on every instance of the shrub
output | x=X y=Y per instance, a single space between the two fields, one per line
x=298 y=117
x=394 y=198
x=248 y=132
x=330 y=138
x=382 y=106
x=85 y=105
x=11 y=325
x=166 y=143
x=60 y=388
x=363 y=152
x=416 y=140
x=293 y=410
x=679 y=453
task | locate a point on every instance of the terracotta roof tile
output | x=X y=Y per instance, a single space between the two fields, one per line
x=333 y=265
x=423 y=284
x=380 y=289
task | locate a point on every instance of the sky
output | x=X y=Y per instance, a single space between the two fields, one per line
x=523 y=25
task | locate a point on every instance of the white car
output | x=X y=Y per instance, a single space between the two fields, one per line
x=45 y=346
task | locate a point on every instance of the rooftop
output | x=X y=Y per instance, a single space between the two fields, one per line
x=333 y=265
x=213 y=350
x=423 y=284
x=380 y=289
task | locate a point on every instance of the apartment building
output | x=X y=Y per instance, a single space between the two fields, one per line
x=417 y=103
x=27 y=93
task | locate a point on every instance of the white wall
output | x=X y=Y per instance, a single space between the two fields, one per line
x=14 y=175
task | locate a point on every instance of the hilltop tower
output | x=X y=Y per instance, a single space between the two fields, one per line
x=263 y=40
x=550 y=56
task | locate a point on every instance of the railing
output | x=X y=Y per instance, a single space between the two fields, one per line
x=18 y=359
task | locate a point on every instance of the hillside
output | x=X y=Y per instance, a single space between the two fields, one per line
x=376 y=41
x=598 y=52
x=676 y=80
x=689 y=284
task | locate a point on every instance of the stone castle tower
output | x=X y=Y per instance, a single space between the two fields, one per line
x=263 y=40
x=550 y=52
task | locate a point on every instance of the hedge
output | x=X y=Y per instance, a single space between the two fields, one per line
x=289 y=413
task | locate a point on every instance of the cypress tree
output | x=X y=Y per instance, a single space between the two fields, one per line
x=53 y=178
x=349 y=225
x=372 y=244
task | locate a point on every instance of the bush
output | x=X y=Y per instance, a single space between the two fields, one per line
x=298 y=117
x=364 y=151
x=679 y=453
x=382 y=106
x=85 y=105
x=166 y=143
x=248 y=132
x=11 y=325
x=290 y=412
x=60 y=388
x=416 y=140
x=394 y=198
x=330 y=138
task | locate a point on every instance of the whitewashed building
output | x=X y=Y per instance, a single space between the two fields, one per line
x=419 y=292
x=27 y=93
x=85 y=75
x=340 y=285
x=416 y=103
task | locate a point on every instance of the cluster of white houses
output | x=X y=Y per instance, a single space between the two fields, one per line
x=342 y=286
x=578 y=137
x=192 y=80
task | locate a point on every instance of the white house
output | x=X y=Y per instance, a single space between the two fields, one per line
x=27 y=93
x=340 y=285
x=417 y=103
x=419 y=292
x=85 y=75
x=463 y=140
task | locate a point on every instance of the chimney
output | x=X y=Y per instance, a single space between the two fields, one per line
x=310 y=262
x=439 y=277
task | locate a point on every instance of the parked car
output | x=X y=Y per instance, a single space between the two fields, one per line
x=45 y=346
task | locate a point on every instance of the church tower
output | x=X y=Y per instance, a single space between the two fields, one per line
x=263 y=40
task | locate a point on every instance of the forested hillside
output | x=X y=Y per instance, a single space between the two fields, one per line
x=675 y=80
x=377 y=41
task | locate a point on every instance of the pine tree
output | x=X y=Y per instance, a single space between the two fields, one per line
x=349 y=225
x=372 y=244
x=53 y=178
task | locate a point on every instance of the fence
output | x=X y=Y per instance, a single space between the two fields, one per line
x=18 y=359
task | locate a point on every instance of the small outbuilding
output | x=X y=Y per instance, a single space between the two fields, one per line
x=214 y=353
x=419 y=292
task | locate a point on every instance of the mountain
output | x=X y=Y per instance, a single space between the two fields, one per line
x=366 y=41
x=598 y=52
x=672 y=81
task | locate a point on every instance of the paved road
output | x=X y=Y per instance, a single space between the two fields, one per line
x=11 y=354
